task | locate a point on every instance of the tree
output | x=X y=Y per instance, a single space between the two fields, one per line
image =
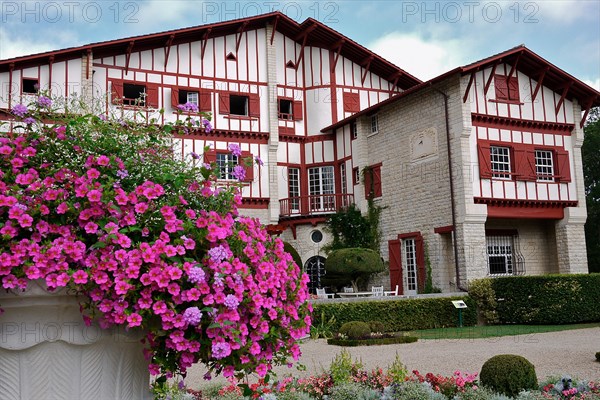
x=349 y=228
x=591 y=173
x=353 y=266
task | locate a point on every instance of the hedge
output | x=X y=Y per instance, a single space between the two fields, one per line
x=372 y=341
x=398 y=315
x=547 y=299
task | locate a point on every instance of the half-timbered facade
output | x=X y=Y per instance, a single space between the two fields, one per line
x=480 y=166
x=479 y=172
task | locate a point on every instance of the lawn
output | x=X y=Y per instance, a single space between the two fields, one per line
x=478 y=332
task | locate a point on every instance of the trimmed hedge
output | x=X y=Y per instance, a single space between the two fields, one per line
x=372 y=341
x=398 y=315
x=547 y=299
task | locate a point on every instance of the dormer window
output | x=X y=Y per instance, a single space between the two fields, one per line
x=507 y=89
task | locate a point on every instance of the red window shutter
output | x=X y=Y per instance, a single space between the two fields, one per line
x=513 y=89
x=204 y=100
x=151 y=95
x=524 y=164
x=117 y=92
x=351 y=102
x=421 y=273
x=254 y=105
x=376 y=181
x=210 y=156
x=562 y=162
x=248 y=162
x=485 y=162
x=395 y=255
x=175 y=97
x=367 y=180
x=223 y=103
x=501 y=87
x=297 y=110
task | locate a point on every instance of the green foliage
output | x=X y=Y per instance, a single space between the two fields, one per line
x=590 y=152
x=293 y=396
x=353 y=390
x=508 y=374
x=371 y=341
x=481 y=393
x=353 y=265
x=355 y=329
x=548 y=299
x=411 y=390
x=377 y=326
x=482 y=292
x=349 y=228
x=399 y=315
x=342 y=367
x=293 y=252
x=397 y=371
x=429 y=288
x=324 y=328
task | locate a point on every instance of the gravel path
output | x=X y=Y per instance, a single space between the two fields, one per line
x=566 y=352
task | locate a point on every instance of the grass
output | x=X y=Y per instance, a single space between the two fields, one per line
x=479 y=332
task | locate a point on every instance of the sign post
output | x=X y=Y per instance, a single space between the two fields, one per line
x=459 y=304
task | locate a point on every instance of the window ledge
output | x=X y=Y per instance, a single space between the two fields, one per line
x=240 y=117
x=506 y=101
x=372 y=134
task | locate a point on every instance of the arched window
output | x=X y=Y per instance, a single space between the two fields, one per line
x=315 y=269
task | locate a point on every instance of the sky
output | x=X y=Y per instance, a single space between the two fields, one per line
x=425 y=38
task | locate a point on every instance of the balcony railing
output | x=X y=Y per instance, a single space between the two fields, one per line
x=312 y=205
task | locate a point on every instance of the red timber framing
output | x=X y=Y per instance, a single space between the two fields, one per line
x=525 y=209
x=168 y=48
x=128 y=55
x=493 y=121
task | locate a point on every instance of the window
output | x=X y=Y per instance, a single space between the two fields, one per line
x=238 y=105
x=343 y=177
x=294 y=188
x=201 y=98
x=544 y=165
x=374 y=124
x=235 y=104
x=134 y=94
x=372 y=181
x=285 y=109
x=354 y=129
x=351 y=102
x=503 y=255
x=321 y=189
x=500 y=162
x=30 y=85
x=316 y=236
x=507 y=89
x=226 y=163
x=410 y=255
x=355 y=176
x=315 y=269
x=188 y=97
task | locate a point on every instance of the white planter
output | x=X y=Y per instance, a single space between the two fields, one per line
x=47 y=352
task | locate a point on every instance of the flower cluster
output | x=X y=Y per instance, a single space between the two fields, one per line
x=104 y=209
x=448 y=386
x=567 y=388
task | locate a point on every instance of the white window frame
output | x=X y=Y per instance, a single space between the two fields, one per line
x=500 y=162
x=544 y=165
x=226 y=163
x=193 y=98
x=294 y=188
x=410 y=263
x=321 y=184
x=500 y=251
x=354 y=129
x=374 y=124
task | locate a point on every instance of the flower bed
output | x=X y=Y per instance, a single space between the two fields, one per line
x=374 y=340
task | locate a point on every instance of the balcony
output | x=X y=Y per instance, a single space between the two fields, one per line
x=313 y=205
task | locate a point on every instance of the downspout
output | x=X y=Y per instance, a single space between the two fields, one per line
x=452 y=206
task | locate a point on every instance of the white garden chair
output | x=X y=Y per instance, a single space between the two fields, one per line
x=324 y=295
x=348 y=290
x=377 y=291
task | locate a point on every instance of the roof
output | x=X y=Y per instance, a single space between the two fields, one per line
x=526 y=61
x=317 y=34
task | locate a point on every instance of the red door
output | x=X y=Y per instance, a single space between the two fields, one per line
x=395 y=255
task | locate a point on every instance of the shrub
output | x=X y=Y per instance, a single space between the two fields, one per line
x=397 y=371
x=481 y=393
x=377 y=326
x=412 y=391
x=343 y=368
x=482 y=292
x=371 y=342
x=353 y=264
x=353 y=390
x=508 y=374
x=399 y=315
x=355 y=329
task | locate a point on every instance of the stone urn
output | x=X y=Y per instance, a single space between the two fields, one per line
x=47 y=352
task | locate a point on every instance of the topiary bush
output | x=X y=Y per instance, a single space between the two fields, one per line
x=508 y=374
x=355 y=329
x=376 y=326
x=355 y=265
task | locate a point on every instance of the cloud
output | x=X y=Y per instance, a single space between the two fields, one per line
x=423 y=58
x=12 y=45
x=562 y=11
x=593 y=83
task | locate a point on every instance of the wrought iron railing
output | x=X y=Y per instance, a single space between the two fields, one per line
x=316 y=204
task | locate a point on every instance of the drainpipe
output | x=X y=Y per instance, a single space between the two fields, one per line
x=452 y=206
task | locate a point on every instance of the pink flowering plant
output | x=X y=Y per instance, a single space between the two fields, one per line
x=102 y=207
